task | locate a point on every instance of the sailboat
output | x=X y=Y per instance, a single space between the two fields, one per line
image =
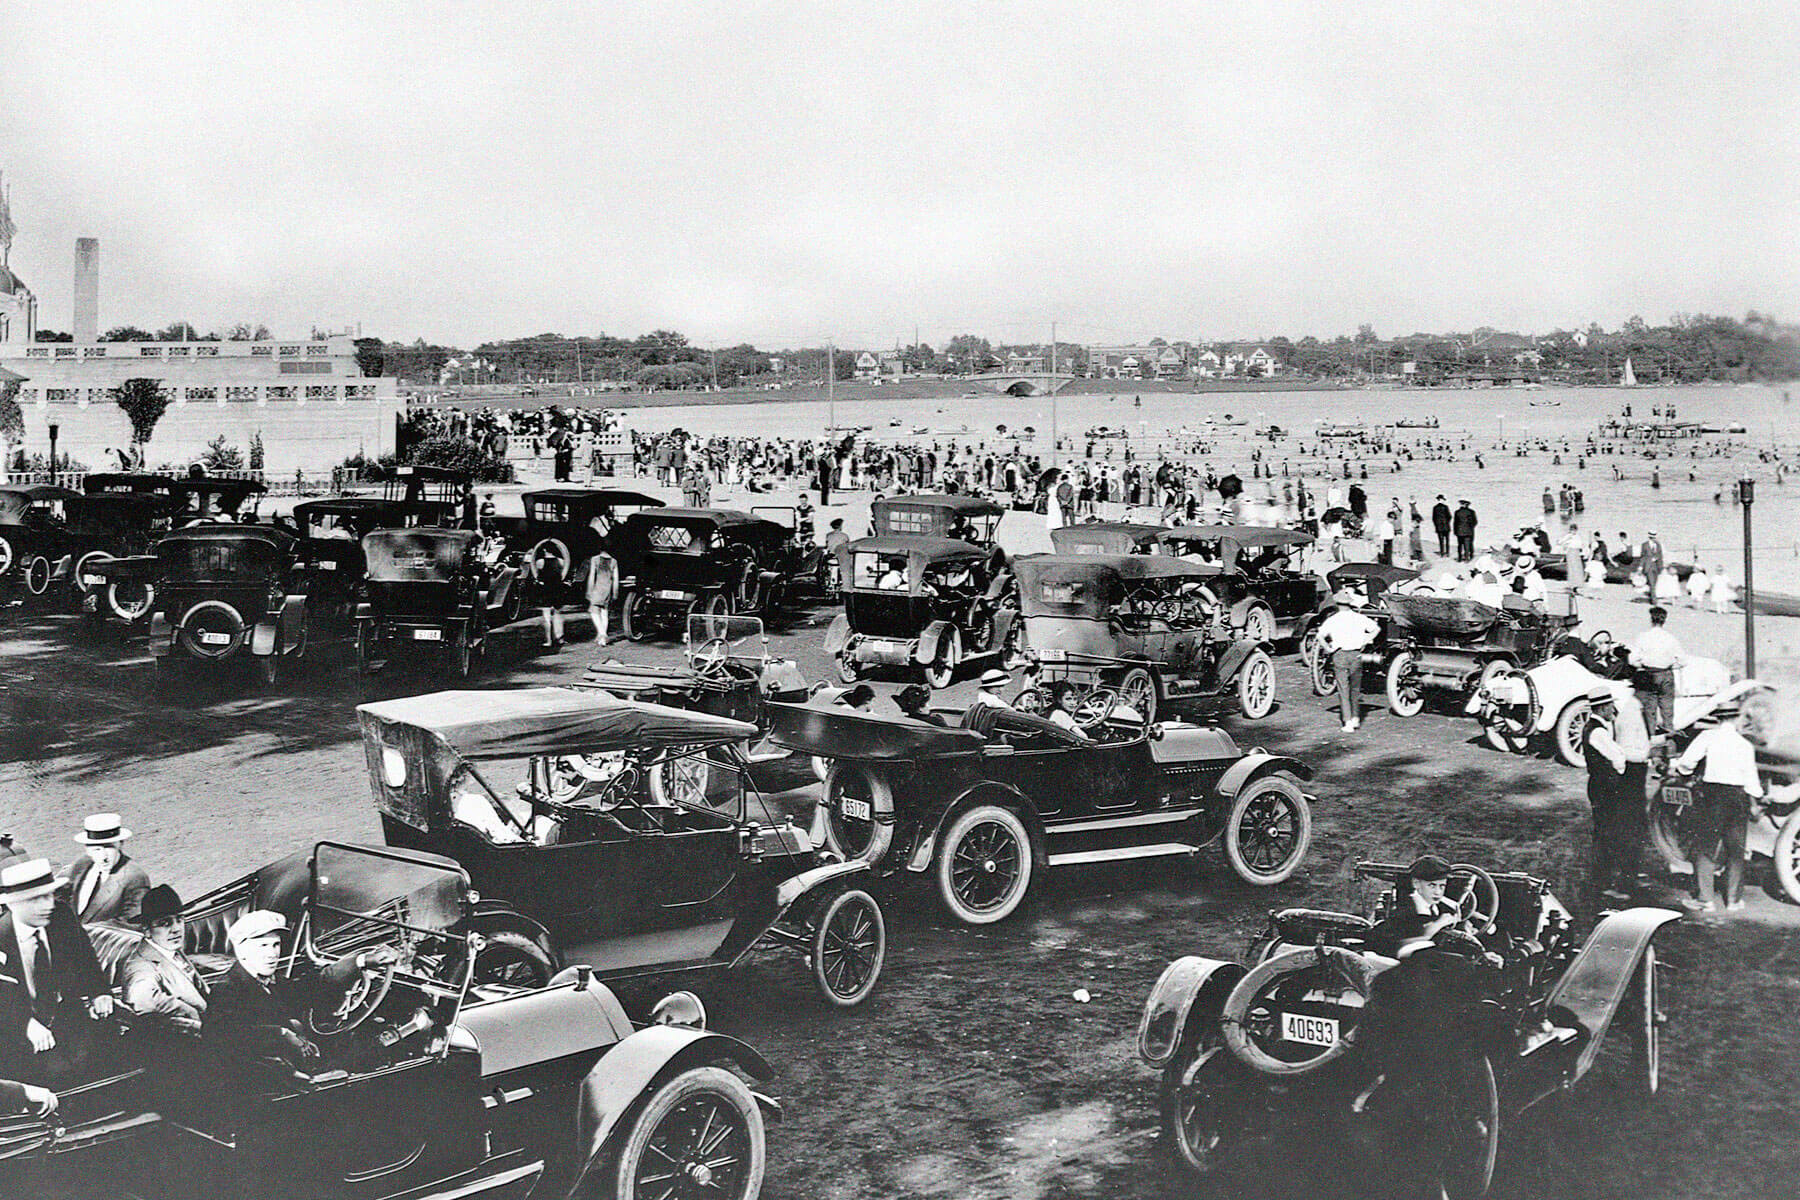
x=1627 y=377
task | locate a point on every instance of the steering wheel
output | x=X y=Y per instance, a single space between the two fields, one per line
x=711 y=656
x=1094 y=706
x=360 y=1001
x=1475 y=894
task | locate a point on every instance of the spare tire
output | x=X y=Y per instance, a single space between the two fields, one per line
x=853 y=836
x=204 y=625
x=1251 y=1018
x=551 y=562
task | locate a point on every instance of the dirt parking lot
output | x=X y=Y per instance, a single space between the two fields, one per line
x=975 y=1072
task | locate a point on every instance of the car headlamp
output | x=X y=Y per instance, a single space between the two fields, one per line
x=679 y=1008
x=393 y=767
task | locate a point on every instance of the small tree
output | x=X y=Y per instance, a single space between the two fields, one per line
x=144 y=402
x=220 y=456
x=256 y=451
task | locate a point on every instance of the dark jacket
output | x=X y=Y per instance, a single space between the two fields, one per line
x=1440 y=517
x=1463 y=522
x=248 y=1019
x=74 y=978
x=116 y=897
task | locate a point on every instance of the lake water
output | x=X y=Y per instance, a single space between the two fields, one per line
x=1506 y=490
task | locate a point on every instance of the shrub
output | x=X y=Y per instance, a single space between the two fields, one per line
x=220 y=456
x=256 y=451
x=461 y=454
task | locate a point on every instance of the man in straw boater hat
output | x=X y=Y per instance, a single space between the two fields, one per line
x=104 y=884
x=50 y=980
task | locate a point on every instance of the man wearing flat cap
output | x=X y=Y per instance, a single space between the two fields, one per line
x=104 y=884
x=257 y=1013
x=1421 y=909
x=161 y=984
x=50 y=980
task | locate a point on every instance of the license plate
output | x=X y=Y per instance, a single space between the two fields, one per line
x=215 y=639
x=428 y=635
x=671 y=594
x=1679 y=797
x=94 y=580
x=327 y=566
x=858 y=810
x=1308 y=1031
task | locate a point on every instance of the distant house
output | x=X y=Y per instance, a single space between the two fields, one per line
x=1024 y=363
x=1171 y=364
x=777 y=364
x=1207 y=365
x=1248 y=358
x=867 y=366
x=892 y=365
x=1122 y=362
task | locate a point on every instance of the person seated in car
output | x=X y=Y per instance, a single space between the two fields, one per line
x=161 y=984
x=1423 y=910
x=911 y=701
x=257 y=1014
x=893 y=576
x=1063 y=703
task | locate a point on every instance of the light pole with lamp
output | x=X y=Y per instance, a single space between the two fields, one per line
x=1747 y=493
x=53 y=432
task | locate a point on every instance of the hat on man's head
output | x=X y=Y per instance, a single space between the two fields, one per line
x=1429 y=867
x=994 y=677
x=1601 y=693
x=256 y=923
x=27 y=878
x=160 y=903
x=102 y=829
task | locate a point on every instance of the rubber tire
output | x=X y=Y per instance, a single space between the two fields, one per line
x=848 y=669
x=1483 y=1176
x=940 y=672
x=36 y=573
x=462 y=655
x=1786 y=853
x=1308 y=646
x=130 y=614
x=366 y=646
x=507 y=945
x=1194 y=1160
x=1398 y=703
x=834 y=910
x=650 y=1114
x=984 y=814
x=630 y=620
x=881 y=801
x=7 y=555
x=559 y=551
x=1646 y=1037
x=1498 y=738
x=1012 y=651
x=1239 y=1044
x=716 y=605
x=1321 y=674
x=1566 y=737
x=1255 y=703
x=1259 y=623
x=1138 y=680
x=1664 y=837
x=1289 y=787
x=657 y=783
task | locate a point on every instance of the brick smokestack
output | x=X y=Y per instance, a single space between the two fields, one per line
x=87 y=289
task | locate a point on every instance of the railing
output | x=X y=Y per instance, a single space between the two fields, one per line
x=300 y=483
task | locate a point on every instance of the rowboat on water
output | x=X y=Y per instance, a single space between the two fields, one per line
x=1775 y=604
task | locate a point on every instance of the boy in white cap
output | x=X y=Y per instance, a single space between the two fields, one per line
x=104 y=884
x=49 y=978
x=260 y=1014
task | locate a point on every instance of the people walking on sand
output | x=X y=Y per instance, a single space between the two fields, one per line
x=1655 y=653
x=1650 y=563
x=1699 y=587
x=601 y=584
x=1440 y=524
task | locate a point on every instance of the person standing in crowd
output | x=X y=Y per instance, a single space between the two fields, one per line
x=1617 y=748
x=487 y=514
x=1415 y=541
x=1650 y=562
x=465 y=507
x=601 y=584
x=1440 y=524
x=803 y=521
x=1386 y=534
x=1344 y=635
x=1728 y=783
x=1655 y=653
x=1462 y=523
x=104 y=884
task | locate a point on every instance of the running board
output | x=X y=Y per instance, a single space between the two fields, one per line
x=1169 y=817
x=1120 y=853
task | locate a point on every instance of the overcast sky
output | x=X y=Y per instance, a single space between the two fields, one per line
x=787 y=173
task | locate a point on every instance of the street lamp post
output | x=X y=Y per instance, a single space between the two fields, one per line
x=1747 y=493
x=53 y=432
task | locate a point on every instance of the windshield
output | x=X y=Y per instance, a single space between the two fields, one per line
x=357 y=886
x=742 y=636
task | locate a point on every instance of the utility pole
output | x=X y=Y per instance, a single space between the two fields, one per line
x=1053 y=387
x=1747 y=494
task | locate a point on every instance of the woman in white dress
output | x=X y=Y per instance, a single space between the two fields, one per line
x=1596 y=573
x=1699 y=586
x=1723 y=594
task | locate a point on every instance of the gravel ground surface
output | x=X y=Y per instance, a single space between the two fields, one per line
x=974 y=1072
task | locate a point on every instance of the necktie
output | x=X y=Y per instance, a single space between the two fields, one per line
x=29 y=952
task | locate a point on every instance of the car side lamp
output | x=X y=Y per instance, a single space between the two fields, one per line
x=679 y=1008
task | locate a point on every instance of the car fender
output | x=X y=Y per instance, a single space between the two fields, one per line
x=1189 y=989
x=1240 y=611
x=1004 y=620
x=620 y=1080
x=1232 y=661
x=1595 y=984
x=925 y=650
x=293 y=621
x=1254 y=766
x=985 y=792
x=496 y=916
x=364 y=611
x=796 y=887
x=265 y=638
x=161 y=635
x=837 y=634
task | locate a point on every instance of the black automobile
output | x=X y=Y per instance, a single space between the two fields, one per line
x=53 y=540
x=565 y=527
x=32 y=532
x=430 y=1085
x=922 y=604
x=222 y=593
x=969 y=519
x=432 y=589
x=623 y=836
x=1261 y=586
x=717 y=561
x=985 y=805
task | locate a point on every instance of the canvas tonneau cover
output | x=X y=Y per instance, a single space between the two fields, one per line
x=481 y=726
x=1451 y=615
x=1104 y=537
x=595 y=497
x=834 y=731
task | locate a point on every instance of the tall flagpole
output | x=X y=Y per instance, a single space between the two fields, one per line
x=831 y=387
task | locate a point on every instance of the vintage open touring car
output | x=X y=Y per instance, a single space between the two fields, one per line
x=32 y=518
x=52 y=540
x=1366 y=581
x=1456 y=645
x=1142 y=626
x=969 y=519
x=432 y=588
x=1270 y=1051
x=1260 y=586
x=676 y=561
x=632 y=840
x=430 y=1085
x=563 y=528
x=985 y=806
x=220 y=593
x=330 y=530
x=922 y=604
x=1107 y=537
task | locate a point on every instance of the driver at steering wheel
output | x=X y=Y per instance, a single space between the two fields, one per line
x=1423 y=912
x=254 y=1014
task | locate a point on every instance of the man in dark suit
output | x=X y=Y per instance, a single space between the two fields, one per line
x=50 y=981
x=1440 y=524
x=1650 y=562
x=104 y=884
x=1462 y=523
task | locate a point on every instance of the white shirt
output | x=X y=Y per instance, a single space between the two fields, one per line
x=1535 y=591
x=1730 y=759
x=1066 y=720
x=31 y=948
x=1656 y=649
x=1483 y=592
x=1347 y=629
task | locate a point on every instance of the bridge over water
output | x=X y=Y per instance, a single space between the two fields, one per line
x=1022 y=383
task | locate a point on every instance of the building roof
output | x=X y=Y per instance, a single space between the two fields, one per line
x=10 y=282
